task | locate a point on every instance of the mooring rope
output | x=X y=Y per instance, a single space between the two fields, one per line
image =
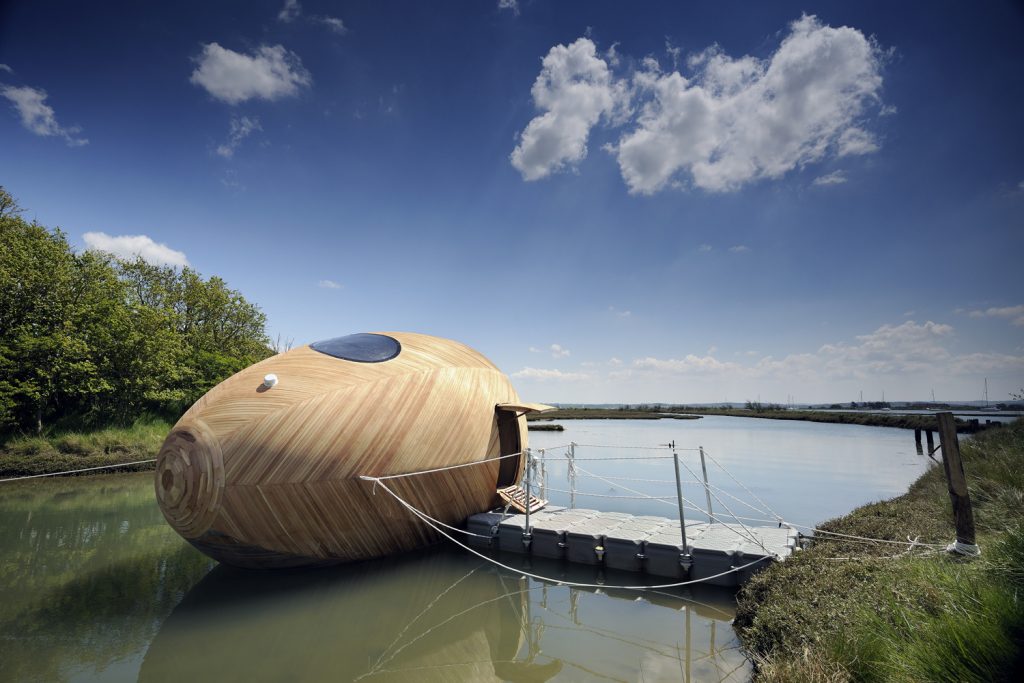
x=562 y=582
x=449 y=467
x=695 y=482
x=775 y=514
x=84 y=469
x=667 y=501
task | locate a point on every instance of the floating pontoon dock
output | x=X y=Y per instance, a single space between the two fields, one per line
x=717 y=553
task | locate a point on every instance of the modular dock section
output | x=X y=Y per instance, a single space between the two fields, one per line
x=652 y=545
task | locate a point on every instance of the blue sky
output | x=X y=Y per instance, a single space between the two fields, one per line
x=688 y=202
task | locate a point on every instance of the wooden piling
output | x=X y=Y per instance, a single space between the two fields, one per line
x=931 y=441
x=917 y=436
x=963 y=515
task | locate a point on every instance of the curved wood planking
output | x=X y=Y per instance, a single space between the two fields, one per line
x=283 y=488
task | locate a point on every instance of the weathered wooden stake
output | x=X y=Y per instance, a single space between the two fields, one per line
x=963 y=515
x=931 y=441
x=917 y=436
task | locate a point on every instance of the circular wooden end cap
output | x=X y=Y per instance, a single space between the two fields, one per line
x=190 y=478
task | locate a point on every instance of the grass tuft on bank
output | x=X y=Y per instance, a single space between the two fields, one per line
x=71 y=450
x=846 y=610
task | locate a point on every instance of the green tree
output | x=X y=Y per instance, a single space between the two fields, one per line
x=49 y=302
x=90 y=338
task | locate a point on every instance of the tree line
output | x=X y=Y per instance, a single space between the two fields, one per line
x=87 y=339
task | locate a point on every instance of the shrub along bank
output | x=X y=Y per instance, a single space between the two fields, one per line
x=847 y=610
x=64 y=451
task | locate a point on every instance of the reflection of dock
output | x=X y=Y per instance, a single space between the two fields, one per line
x=717 y=553
x=441 y=616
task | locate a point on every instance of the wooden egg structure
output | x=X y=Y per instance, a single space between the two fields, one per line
x=261 y=473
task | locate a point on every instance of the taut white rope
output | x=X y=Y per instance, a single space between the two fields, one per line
x=84 y=469
x=560 y=582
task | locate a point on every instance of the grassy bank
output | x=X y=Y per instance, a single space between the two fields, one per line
x=607 y=414
x=845 y=610
x=62 y=451
x=868 y=419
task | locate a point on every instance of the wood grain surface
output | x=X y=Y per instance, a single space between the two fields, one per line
x=269 y=477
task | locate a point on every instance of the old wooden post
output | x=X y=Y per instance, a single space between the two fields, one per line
x=931 y=442
x=963 y=515
x=917 y=436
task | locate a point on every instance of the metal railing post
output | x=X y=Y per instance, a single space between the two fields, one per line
x=684 y=559
x=572 y=475
x=527 y=534
x=707 y=487
x=543 y=482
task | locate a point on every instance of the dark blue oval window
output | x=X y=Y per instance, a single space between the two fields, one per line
x=362 y=348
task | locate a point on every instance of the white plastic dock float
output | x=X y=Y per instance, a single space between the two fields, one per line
x=652 y=545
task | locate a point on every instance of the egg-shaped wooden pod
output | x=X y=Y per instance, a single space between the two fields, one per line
x=263 y=471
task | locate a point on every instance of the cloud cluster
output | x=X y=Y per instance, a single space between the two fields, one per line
x=732 y=121
x=292 y=10
x=543 y=374
x=556 y=350
x=240 y=128
x=39 y=117
x=833 y=178
x=328 y=284
x=1014 y=312
x=133 y=246
x=575 y=89
x=906 y=349
x=269 y=73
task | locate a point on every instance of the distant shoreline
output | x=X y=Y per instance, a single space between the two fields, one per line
x=924 y=422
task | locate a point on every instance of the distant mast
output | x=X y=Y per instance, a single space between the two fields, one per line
x=986 y=392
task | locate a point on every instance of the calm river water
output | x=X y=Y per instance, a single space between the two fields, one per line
x=95 y=586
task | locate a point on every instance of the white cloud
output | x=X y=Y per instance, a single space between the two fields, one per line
x=269 y=73
x=705 y=248
x=731 y=122
x=856 y=141
x=909 y=314
x=6 y=69
x=891 y=350
x=738 y=120
x=335 y=24
x=291 y=10
x=620 y=312
x=132 y=246
x=558 y=351
x=739 y=249
x=1015 y=312
x=240 y=128
x=39 y=117
x=328 y=284
x=574 y=89
x=833 y=178
x=542 y=374
x=689 y=364
x=512 y=5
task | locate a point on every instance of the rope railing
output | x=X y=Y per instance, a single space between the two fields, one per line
x=575 y=471
x=747 y=535
x=78 y=471
x=561 y=582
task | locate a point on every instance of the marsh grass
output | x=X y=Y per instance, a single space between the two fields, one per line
x=68 y=450
x=844 y=610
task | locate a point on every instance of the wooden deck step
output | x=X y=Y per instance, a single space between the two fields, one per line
x=515 y=497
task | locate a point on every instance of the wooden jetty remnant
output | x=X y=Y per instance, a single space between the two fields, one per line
x=716 y=553
x=264 y=470
x=963 y=513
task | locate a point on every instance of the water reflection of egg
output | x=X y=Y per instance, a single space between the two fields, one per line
x=264 y=472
